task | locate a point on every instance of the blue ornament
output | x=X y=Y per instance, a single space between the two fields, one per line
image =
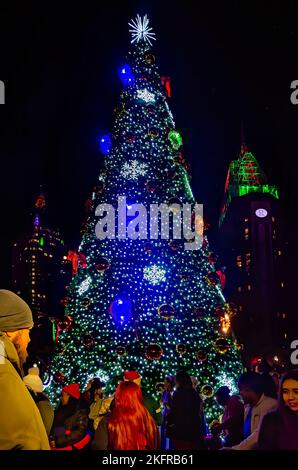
x=121 y=309
x=105 y=144
x=126 y=75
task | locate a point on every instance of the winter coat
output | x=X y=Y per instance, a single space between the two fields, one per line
x=185 y=417
x=264 y=406
x=45 y=408
x=21 y=424
x=276 y=435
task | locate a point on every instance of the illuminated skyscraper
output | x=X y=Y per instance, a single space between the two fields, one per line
x=41 y=271
x=251 y=248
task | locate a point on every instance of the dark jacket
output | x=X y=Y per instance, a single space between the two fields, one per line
x=273 y=434
x=185 y=418
x=74 y=429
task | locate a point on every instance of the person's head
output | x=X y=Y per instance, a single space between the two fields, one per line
x=132 y=376
x=96 y=388
x=70 y=393
x=183 y=379
x=289 y=390
x=250 y=386
x=131 y=427
x=15 y=322
x=32 y=381
x=168 y=383
x=222 y=395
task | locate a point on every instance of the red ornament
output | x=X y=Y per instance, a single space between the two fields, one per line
x=88 y=341
x=65 y=323
x=202 y=355
x=152 y=185
x=199 y=313
x=212 y=278
x=148 y=248
x=171 y=173
x=153 y=352
x=174 y=245
x=102 y=265
x=59 y=377
x=130 y=138
x=150 y=109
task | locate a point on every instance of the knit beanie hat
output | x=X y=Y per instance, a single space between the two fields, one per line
x=131 y=375
x=73 y=390
x=15 y=314
x=33 y=381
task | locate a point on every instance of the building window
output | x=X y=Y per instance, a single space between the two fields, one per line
x=246 y=233
x=246 y=220
x=282 y=284
x=247 y=259
x=249 y=287
x=239 y=261
x=239 y=289
x=273 y=219
x=284 y=315
x=279 y=252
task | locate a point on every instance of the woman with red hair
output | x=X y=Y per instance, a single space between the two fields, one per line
x=131 y=427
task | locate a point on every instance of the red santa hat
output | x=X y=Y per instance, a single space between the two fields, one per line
x=73 y=390
x=131 y=375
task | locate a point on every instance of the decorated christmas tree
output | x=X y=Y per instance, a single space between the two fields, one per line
x=142 y=302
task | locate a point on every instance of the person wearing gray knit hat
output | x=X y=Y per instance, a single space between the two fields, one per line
x=15 y=314
x=21 y=427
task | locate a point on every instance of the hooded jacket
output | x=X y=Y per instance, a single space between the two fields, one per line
x=21 y=424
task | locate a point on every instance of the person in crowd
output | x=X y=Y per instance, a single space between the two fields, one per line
x=185 y=424
x=166 y=401
x=70 y=426
x=232 y=419
x=279 y=429
x=35 y=387
x=21 y=424
x=257 y=405
x=130 y=425
x=149 y=401
x=269 y=386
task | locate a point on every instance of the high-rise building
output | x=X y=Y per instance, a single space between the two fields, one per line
x=251 y=247
x=41 y=272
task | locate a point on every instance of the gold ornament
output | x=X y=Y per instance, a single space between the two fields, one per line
x=207 y=391
x=221 y=345
x=166 y=311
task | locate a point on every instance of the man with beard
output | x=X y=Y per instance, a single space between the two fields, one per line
x=21 y=426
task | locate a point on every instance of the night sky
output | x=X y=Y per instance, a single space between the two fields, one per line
x=228 y=63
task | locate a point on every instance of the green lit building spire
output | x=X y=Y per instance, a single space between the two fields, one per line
x=245 y=176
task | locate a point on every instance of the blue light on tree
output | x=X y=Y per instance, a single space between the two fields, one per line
x=126 y=75
x=121 y=309
x=105 y=144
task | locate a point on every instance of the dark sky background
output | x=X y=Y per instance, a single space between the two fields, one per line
x=228 y=61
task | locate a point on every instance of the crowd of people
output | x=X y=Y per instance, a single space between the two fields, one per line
x=263 y=416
